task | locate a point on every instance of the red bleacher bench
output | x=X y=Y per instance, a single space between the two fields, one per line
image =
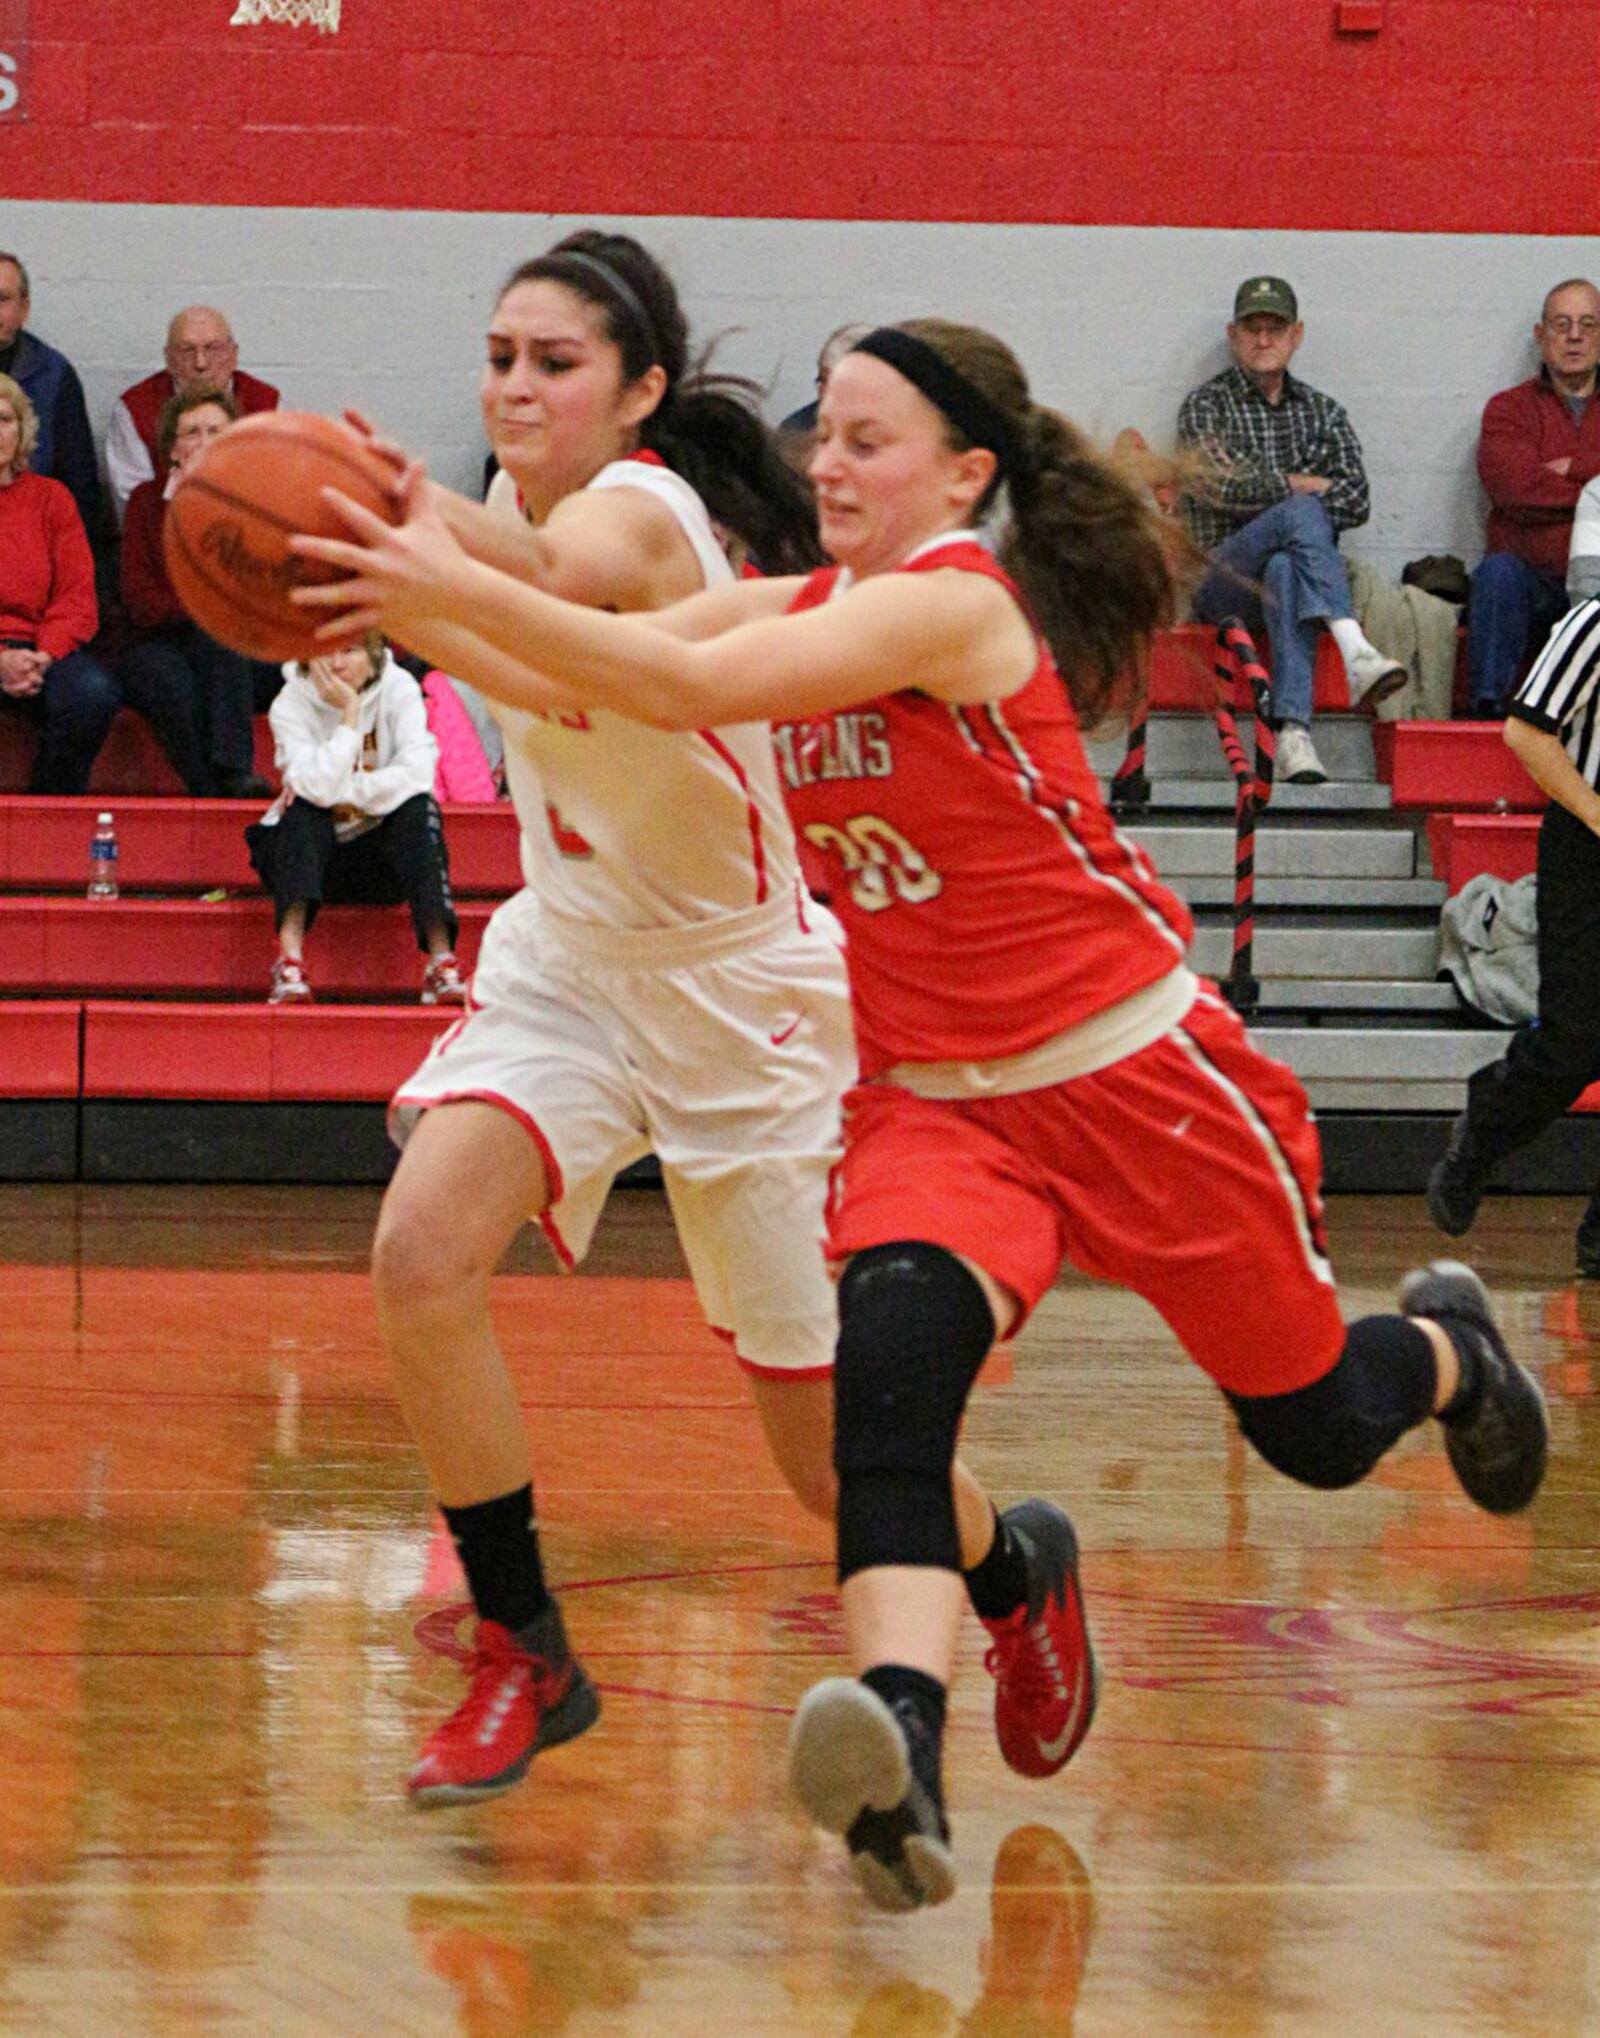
x=1452 y=764
x=1181 y=676
x=131 y=762
x=40 y=1048
x=178 y=845
x=255 y=1053
x=196 y=948
x=1466 y=846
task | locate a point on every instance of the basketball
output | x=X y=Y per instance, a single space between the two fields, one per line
x=229 y=523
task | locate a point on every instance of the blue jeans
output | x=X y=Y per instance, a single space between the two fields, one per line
x=1282 y=568
x=74 y=709
x=199 y=697
x=1514 y=607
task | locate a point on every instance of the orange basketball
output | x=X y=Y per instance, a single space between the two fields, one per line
x=231 y=517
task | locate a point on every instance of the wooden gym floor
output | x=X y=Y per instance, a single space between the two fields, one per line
x=1345 y=1775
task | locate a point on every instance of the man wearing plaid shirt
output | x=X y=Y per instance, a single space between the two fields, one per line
x=1286 y=478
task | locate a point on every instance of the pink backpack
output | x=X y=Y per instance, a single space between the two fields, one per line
x=463 y=772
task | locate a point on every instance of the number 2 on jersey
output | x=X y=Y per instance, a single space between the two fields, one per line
x=881 y=865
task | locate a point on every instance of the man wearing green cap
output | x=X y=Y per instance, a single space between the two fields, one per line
x=1285 y=478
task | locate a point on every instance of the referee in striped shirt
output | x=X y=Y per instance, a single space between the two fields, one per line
x=1553 y=726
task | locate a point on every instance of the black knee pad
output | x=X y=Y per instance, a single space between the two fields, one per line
x=914 y=1329
x=1333 y=1432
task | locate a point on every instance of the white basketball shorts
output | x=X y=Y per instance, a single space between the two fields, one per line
x=723 y=1047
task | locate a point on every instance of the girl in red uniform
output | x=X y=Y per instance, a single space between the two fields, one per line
x=660 y=983
x=1043 y=1078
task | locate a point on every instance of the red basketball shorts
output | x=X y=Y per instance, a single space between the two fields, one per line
x=1189 y=1172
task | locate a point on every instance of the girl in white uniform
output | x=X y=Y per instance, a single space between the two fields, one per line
x=663 y=981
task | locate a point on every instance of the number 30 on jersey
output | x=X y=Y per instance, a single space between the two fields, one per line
x=880 y=864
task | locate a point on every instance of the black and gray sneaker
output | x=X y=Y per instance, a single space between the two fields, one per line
x=852 y=1766
x=1499 y=1438
x=1456 y=1183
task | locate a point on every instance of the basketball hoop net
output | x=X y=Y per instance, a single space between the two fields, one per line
x=319 y=14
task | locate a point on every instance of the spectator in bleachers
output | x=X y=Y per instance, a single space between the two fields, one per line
x=201 y=354
x=1285 y=479
x=1539 y=446
x=356 y=823
x=48 y=610
x=65 y=450
x=796 y=431
x=464 y=773
x=198 y=695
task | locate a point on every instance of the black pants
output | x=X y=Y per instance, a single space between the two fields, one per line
x=74 y=710
x=199 y=697
x=399 y=862
x=1554 y=1058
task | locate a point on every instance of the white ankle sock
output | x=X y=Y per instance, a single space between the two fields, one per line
x=1351 y=639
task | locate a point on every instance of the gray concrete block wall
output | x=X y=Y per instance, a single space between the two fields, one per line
x=387 y=309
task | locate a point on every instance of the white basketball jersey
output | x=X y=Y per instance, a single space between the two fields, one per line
x=640 y=827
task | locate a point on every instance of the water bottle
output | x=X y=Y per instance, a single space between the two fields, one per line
x=103 y=858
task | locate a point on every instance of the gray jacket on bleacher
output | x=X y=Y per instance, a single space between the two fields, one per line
x=1489 y=947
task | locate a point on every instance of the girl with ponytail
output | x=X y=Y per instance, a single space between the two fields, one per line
x=1042 y=1076
x=662 y=982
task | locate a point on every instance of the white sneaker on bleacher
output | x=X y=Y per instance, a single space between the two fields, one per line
x=289 y=985
x=1371 y=678
x=1297 y=759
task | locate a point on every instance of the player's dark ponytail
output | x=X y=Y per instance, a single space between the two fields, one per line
x=1098 y=564
x=706 y=427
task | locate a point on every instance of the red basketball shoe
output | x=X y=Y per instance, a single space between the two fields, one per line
x=527 y=1692
x=1046 y=1684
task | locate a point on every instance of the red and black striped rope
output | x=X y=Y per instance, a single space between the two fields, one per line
x=1242 y=687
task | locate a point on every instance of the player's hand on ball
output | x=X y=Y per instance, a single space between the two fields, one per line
x=391 y=452
x=396 y=571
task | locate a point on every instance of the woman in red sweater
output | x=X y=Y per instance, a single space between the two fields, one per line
x=198 y=695
x=48 y=611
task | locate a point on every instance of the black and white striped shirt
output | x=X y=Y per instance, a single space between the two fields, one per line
x=1562 y=693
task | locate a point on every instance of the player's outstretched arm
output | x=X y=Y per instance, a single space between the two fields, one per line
x=953 y=635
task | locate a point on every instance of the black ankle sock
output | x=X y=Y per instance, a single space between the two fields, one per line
x=923 y=1697
x=1463 y=1404
x=998 y=1583
x=498 y=1545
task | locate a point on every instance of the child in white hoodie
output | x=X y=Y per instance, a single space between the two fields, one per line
x=356 y=823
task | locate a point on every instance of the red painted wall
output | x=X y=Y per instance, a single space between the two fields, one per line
x=1459 y=115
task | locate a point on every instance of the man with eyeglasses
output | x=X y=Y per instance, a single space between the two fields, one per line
x=201 y=354
x=1539 y=446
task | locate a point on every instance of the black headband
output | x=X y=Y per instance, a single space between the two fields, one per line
x=620 y=288
x=978 y=420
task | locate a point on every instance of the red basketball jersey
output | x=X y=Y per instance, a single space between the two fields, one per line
x=989 y=901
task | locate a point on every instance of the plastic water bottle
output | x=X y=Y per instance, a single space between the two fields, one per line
x=103 y=858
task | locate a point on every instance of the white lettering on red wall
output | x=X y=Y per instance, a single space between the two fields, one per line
x=13 y=44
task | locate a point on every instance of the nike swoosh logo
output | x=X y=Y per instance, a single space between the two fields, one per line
x=1052 y=1751
x=783 y=1033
